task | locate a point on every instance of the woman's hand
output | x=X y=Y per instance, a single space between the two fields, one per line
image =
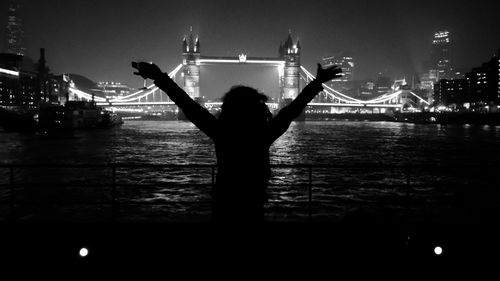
x=147 y=70
x=326 y=74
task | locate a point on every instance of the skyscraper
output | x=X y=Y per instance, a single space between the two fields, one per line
x=440 y=57
x=346 y=63
x=14 y=30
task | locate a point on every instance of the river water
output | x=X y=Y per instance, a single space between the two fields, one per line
x=467 y=158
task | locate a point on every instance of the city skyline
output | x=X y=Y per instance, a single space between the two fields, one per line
x=101 y=44
x=389 y=153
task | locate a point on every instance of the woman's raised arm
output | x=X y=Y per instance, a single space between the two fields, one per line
x=196 y=113
x=282 y=121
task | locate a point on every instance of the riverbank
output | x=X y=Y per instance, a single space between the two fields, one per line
x=49 y=118
x=349 y=117
x=473 y=118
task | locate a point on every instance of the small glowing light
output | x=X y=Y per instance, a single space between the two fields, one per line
x=438 y=251
x=84 y=252
x=10 y=72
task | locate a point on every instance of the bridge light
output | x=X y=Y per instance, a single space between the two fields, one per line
x=9 y=72
x=438 y=251
x=83 y=252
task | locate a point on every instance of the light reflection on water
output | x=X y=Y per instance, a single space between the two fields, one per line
x=339 y=143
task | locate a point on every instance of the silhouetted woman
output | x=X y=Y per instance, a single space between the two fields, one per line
x=242 y=134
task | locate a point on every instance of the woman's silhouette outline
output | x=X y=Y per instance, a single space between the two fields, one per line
x=242 y=135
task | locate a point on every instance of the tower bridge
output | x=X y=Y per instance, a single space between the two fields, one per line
x=287 y=65
x=291 y=77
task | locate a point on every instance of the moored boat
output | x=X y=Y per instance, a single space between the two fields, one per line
x=18 y=119
x=76 y=115
x=47 y=118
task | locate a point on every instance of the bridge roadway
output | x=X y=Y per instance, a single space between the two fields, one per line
x=241 y=59
x=271 y=105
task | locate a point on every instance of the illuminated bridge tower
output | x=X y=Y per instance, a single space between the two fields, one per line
x=290 y=53
x=290 y=81
x=191 y=70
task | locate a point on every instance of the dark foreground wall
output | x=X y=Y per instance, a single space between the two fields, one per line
x=186 y=249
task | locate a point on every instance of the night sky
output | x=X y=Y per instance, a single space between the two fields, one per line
x=98 y=39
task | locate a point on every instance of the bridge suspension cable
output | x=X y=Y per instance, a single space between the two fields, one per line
x=129 y=98
x=421 y=99
x=329 y=90
x=344 y=98
x=151 y=88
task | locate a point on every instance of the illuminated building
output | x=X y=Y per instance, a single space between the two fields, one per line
x=483 y=83
x=426 y=85
x=448 y=92
x=438 y=67
x=25 y=83
x=14 y=31
x=479 y=90
x=440 y=57
x=18 y=81
x=428 y=79
x=112 y=90
x=347 y=64
x=383 y=85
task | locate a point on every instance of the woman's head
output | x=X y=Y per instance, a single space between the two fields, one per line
x=245 y=105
